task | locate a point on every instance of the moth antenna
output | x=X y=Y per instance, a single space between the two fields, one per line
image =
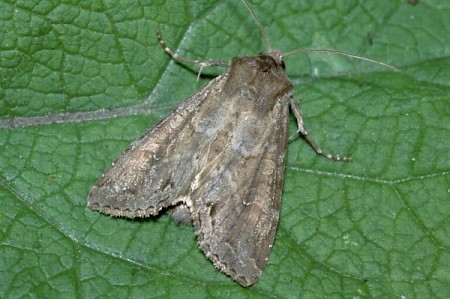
x=260 y=26
x=327 y=51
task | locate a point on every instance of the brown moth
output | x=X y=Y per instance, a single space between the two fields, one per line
x=216 y=161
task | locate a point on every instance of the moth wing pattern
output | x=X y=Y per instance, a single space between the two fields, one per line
x=138 y=183
x=237 y=232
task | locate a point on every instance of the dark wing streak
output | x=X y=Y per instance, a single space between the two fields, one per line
x=260 y=216
x=123 y=189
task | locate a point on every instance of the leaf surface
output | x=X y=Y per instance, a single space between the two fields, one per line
x=80 y=81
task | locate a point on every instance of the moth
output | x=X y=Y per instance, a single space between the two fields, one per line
x=217 y=162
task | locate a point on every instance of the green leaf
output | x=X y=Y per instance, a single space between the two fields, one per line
x=80 y=81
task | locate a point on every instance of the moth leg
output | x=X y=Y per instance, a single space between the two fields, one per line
x=302 y=130
x=201 y=63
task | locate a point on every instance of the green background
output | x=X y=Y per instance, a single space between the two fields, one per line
x=376 y=227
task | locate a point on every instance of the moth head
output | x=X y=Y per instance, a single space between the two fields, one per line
x=277 y=56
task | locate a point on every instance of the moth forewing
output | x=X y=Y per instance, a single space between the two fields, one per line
x=138 y=181
x=238 y=207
